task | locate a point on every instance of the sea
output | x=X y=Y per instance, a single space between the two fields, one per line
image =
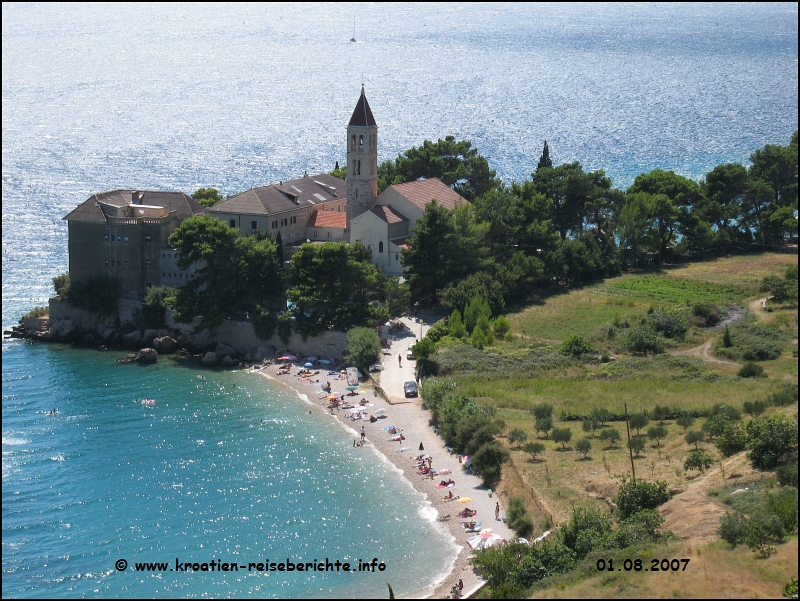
x=234 y=469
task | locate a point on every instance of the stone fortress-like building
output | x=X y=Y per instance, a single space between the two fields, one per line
x=124 y=233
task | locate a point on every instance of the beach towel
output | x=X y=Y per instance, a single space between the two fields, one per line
x=446 y=486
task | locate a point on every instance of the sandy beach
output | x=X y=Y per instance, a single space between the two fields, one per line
x=409 y=416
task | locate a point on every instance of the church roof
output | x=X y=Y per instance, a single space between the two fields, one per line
x=90 y=210
x=388 y=214
x=362 y=115
x=328 y=219
x=285 y=196
x=423 y=191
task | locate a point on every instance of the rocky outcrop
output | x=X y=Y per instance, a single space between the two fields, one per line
x=228 y=361
x=210 y=358
x=147 y=355
x=166 y=344
x=223 y=350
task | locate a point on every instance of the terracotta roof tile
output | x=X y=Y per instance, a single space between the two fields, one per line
x=423 y=191
x=328 y=219
x=279 y=198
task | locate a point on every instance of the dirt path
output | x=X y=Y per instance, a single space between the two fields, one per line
x=692 y=514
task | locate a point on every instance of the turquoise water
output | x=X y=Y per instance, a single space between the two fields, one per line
x=179 y=96
x=210 y=471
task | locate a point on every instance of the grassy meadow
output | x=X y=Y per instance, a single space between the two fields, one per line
x=514 y=376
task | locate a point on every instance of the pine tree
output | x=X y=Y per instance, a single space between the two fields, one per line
x=544 y=160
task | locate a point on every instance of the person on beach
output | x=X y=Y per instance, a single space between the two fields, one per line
x=399 y=360
x=363 y=434
x=497 y=511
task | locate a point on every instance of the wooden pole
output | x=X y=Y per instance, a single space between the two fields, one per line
x=630 y=451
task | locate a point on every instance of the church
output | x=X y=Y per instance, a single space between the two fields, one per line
x=322 y=208
x=124 y=233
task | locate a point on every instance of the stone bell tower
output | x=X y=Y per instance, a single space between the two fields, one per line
x=362 y=160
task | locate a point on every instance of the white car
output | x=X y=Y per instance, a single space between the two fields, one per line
x=376 y=366
x=409 y=354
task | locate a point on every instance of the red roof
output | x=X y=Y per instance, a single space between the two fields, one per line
x=328 y=219
x=423 y=191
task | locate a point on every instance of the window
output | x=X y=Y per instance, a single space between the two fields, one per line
x=292 y=238
x=147 y=238
x=127 y=287
x=380 y=247
x=119 y=264
x=163 y=255
x=294 y=220
x=148 y=285
x=338 y=208
x=274 y=224
x=315 y=235
x=254 y=225
x=329 y=234
x=106 y=262
x=105 y=238
x=126 y=238
x=361 y=140
x=164 y=273
x=119 y=238
x=353 y=142
x=232 y=223
x=148 y=263
x=126 y=265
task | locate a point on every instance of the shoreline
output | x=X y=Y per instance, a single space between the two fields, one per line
x=413 y=420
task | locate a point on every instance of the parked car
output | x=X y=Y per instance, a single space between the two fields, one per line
x=410 y=389
x=378 y=366
x=410 y=354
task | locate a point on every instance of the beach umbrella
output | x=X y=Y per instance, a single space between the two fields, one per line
x=475 y=542
x=486 y=533
x=421 y=448
x=465 y=500
x=352 y=388
x=308 y=365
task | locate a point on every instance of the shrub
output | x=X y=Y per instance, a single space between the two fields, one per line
x=284 y=325
x=611 y=435
x=727 y=341
x=156 y=301
x=697 y=460
x=518 y=518
x=439 y=329
x=754 y=408
x=639 y=528
x=488 y=460
x=732 y=440
x=642 y=340
x=708 y=311
x=38 y=312
x=769 y=438
x=733 y=528
x=542 y=410
x=785 y=396
x=605 y=357
x=787 y=474
x=660 y=414
x=479 y=338
x=544 y=424
x=784 y=505
x=97 y=294
x=576 y=346
x=590 y=425
x=751 y=341
x=563 y=436
x=750 y=370
x=584 y=445
x=669 y=324
x=549 y=559
x=585 y=520
x=456 y=326
x=763 y=530
x=61 y=284
x=633 y=496
x=601 y=415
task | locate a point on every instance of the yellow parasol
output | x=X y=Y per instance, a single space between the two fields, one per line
x=465 y=500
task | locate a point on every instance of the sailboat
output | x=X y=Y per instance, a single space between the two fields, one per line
x=353 y=39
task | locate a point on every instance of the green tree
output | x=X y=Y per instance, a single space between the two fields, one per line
x=601 y=415
x=733 y=528
x=584 y=445
x=657 y=433
x=488 y=461
x=340 y=172
x=542 y=410
x=611 y=435
x=155 y=303
x=544 y=424
x=208 y=197
x=732 y=439
x=585 y=520
x=637 y=445
x=634 y=496
x=456 y=325
x=478 y=307
x=589 y=425
x=769 y=437
x=576 y=346
x=763 y=530
x=517 y=436
x=534 y=449
x=694 y=437
x=697 y=460
x=562 y=436
x=685 y=422
x=723 y=200
x=61 y=284
x=456 y=163
x=95 y=294
x=544 y=160
x=638 y=421
x=660 y=414
x=501 y=326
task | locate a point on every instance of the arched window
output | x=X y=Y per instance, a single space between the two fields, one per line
x=361 y=140
x=358 y=169
x=353 y=142
x=380 y=247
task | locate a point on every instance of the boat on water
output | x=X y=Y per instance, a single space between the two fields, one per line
x=353 y=39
